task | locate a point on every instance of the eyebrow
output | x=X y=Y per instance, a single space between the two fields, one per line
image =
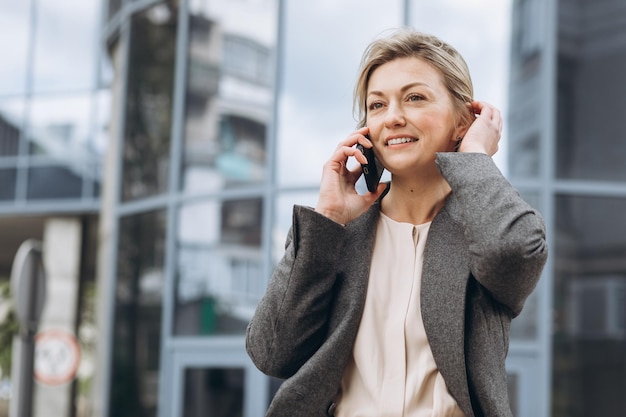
x=403 y=89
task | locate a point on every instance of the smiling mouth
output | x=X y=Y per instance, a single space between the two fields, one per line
x=399 y=141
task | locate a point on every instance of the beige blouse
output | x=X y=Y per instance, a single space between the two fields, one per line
x=392 y=372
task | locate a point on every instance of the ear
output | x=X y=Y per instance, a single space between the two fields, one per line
x=460 y=132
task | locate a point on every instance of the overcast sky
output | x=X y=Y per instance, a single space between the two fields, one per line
x=323 y=45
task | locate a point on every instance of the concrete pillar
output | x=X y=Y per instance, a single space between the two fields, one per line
x=62 y=241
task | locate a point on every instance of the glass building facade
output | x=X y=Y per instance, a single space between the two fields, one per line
x=176 y=135
x=566 y=129
x=54 y=111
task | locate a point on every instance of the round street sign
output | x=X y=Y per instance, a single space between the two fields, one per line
x=57 y=356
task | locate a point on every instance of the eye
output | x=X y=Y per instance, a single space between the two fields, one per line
x=375 y=105
x=415 y=97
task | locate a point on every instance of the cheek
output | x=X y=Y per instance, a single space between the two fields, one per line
x=374 y=122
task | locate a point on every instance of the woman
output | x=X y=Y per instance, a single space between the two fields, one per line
x=398 y=302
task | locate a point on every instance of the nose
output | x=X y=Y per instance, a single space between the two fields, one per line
x=394 y=116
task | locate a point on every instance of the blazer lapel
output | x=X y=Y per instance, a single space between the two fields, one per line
x=361 y=240
x=444 y=284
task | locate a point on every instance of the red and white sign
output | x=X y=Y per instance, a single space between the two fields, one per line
x=57 y=357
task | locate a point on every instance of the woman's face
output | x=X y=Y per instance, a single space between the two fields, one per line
x=410 y=114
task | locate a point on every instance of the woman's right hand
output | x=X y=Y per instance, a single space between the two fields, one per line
x=338 y=199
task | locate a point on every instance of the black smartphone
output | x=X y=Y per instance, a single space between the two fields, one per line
x=373 y=170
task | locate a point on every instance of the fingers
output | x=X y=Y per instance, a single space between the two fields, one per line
x=355 y=137
x=346 y=148
x=485 y=131
x=488 y=113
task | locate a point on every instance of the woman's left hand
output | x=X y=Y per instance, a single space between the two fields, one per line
x=484 y=133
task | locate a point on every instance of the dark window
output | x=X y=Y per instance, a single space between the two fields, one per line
x=149 y=103
x=138 y=314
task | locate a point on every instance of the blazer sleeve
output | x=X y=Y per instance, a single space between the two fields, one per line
x=290 y=321
x=506 y=236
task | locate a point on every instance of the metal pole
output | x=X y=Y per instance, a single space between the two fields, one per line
x=28 y=280
x=27 y=359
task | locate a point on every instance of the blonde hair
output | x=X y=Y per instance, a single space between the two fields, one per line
x=405 y=43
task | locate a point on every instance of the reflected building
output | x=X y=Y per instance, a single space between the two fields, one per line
x=567 y=138
x=163 y=170
x=188 y=190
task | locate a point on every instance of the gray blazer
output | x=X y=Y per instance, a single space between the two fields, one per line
x=484 y=254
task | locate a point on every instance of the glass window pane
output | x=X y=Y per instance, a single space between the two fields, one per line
x=138 y=312
x=14 y=20
x=55 y=182
x=229 y=94
x=591 y=68
x=65 y=40
x=149 y=102
x=589 y=338
x=214 y=392
x=513 y=387
x=525 y=327
x=319 y=69
x=60 y=127
x=7 y=183
x=525 y=114
x=11 y=124
x=219 y=262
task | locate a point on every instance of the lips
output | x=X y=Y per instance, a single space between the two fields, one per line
x=399 y=141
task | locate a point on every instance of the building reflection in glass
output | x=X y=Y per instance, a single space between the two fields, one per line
x=228 y=99
x=50 y=107
x=219 y=266
x=138 y=313
x=220 y=390
x=148 y=118
x=591 y=90
x=525 y=116
x=590 y=307
x=228 y=106
x=589 y=340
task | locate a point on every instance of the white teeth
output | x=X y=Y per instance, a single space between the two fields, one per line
x=398 y=141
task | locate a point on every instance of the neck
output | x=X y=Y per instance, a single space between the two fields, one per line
x=415 y=201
